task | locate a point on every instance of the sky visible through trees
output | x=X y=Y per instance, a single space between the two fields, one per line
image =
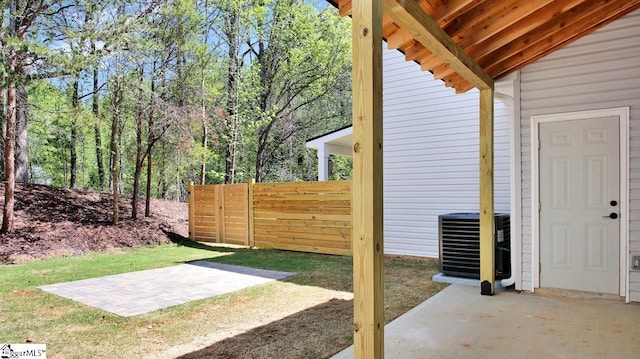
x=139 y=97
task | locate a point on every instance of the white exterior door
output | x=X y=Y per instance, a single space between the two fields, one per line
x=580 y=205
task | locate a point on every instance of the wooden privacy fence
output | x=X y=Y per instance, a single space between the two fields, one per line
x=300 y=216
x=219 y=213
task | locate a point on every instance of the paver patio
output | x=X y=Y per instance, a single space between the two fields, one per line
x=144 y=291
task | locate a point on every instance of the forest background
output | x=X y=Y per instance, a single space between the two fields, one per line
x=139 y=97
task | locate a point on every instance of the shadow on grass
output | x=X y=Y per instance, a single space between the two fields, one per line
x=317 y=270
x=317 y=332
x=186 y=242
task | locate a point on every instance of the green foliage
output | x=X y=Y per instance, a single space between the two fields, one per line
x=340 y=167
x=173 y=66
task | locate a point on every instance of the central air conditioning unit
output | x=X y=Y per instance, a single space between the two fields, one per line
x=460 y=245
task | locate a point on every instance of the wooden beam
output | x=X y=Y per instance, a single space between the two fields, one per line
x=487 y=244
x=463 y=87
x=548 y=33
x=415 y=51
x=429 y=62
x=555 y=34
x=545 y=32
x=367 y=204
x=484 y=10
x=442 y=71
x=480 y=49
x=398 y=39
x=386 y=21
x=426 y=31
x=344 y=8
x=511 y=12
x=458 y=82
x=449 y=8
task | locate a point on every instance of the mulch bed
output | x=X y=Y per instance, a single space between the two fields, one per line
x=52 y=222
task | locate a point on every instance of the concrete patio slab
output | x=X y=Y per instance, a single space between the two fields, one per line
x=460 y=323
x=144 y=291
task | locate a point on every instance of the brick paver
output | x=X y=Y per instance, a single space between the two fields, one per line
x=144 y=291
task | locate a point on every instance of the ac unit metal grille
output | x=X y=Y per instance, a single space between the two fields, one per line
x=460 y=245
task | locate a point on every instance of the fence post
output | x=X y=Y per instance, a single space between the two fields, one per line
x=250 y=218
x=191 y=206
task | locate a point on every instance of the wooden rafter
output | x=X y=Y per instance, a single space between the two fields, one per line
x=490 y=26
x=554 y=37
x=520 y=28
x=415 y=51
x=470 y=20
x=399 y=38
x=446 y=10
x=501 y=36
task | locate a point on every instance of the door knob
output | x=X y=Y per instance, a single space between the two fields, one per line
x=612 y=215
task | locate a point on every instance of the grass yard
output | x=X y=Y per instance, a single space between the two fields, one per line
x=308 y=315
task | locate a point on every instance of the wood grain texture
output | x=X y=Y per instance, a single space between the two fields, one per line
x=425 y=30
x=219 y=213
x=487 y=245
x=367 y=203
x=292 y=216
x=250 y=212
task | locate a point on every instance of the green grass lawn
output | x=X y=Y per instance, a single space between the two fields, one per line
x=318 y=295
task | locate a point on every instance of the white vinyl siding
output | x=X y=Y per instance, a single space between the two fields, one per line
x=600 y=70
x=431 y=161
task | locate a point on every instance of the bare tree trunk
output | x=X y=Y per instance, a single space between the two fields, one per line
x=205 y=132
x=232 y=35
x=9 y=187
x=96 y=126
x=3 y=110
x=75 y=104
x=137 y=171
x=139 y=155
x=3 y=119
x=22 y=150
x=9 y=138
x=233 y=149
x=164 y=183
x=150 y=142
x=147 y=207
x=113 y=166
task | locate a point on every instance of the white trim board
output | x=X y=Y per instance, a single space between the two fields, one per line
x=623 y=114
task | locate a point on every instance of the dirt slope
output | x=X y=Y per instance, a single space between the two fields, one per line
x=53 y=222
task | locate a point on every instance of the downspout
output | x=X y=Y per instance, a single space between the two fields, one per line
x=508 y=101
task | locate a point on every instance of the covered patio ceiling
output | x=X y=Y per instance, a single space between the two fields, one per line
x=501 y=36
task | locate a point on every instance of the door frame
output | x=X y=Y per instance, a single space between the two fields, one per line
x=623 y=114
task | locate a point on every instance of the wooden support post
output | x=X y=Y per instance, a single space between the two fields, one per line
x=192 y=204
x=252 y=183
x=487 y=243
x=367 y=236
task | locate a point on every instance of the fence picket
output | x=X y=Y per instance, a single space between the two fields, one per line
x=299 y=216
